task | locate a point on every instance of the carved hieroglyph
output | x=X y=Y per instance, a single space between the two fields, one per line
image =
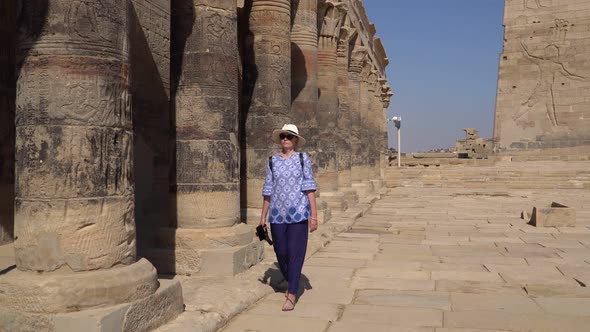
x=268 y=93
x=7 y=96
x=206 y=108
x=331 y=16
x=544 y=79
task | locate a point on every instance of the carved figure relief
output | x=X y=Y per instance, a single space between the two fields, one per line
x=278 y=82
x=533 y=4
x=218 y=42
x=81 y=20
x=550 y=67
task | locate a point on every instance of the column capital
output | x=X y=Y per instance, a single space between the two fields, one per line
x=358 y=57
x=347 y=33
x=331 y=16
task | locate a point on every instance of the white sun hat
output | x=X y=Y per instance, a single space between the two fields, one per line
x=287 y=129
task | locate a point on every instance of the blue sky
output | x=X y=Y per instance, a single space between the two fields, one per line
x=443 y=66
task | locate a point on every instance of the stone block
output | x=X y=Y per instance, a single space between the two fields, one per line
x=335 y=200
x=207 y=262
x=557 y=215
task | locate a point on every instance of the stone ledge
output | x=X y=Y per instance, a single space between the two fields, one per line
x=142 y=315
x=207 y=262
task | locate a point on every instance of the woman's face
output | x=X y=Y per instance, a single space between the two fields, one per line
x=287 y=143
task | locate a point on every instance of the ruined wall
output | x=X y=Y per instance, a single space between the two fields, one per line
x=543 y=98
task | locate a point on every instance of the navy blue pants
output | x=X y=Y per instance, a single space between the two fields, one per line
x=290 y=245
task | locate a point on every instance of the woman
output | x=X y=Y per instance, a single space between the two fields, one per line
x=289 y=195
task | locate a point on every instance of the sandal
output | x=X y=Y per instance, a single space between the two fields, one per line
x=289 y=305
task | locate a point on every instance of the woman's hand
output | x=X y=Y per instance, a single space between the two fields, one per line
x=313 y=224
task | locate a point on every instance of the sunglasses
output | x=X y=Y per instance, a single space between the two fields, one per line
x=287 y=136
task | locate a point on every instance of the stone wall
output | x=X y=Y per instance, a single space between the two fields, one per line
x=543 y=98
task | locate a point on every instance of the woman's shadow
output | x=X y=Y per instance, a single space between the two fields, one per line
x=274 y=278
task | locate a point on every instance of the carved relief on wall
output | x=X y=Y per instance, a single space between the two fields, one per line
x=95 y=21
x=550 y=67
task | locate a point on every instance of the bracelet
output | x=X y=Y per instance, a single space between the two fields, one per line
x=316 y=219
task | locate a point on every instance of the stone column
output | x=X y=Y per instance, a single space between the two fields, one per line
x=207 y=239
x=304 y=69
x=330 y=18
x=206 y=110
x=385 y=100
x=304 y=80
x=357 y=63
x=7 y=97
x=267 y=95
x=344 y=124
x=365 y=106
x=74 y=205
x=377 y=121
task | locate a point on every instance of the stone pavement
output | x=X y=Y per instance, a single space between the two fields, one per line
x=443 y=260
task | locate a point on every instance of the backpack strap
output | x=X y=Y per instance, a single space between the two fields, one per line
x=301 y=159
x=270 y=163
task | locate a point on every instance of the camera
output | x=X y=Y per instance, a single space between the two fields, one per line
x=262 y=232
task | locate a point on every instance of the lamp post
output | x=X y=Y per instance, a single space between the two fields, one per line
x=397 y=121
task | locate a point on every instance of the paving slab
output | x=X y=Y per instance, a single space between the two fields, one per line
x=391 y=273
x=565 y=306
x=503 y=302
x=477 y=287
x=504 y=321
x=466 y=275
x=393 y=284
x=424 y=299
x=283 y=323
x=415 y=317
x=356 y=327
x=320 y=311
x=336 y=262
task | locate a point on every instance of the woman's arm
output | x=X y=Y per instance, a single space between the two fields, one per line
x=266 y=192
x=313 y=220
x=265 y=207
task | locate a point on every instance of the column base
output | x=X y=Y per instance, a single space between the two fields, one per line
x=350 y=195
x=324 y=211
x=363 y=189
x=335 y=200
x=206 y=252
x=377 y=184
x=140 y=315
x=122 y=298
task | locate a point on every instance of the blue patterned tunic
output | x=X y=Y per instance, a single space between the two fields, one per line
x=286 y=185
